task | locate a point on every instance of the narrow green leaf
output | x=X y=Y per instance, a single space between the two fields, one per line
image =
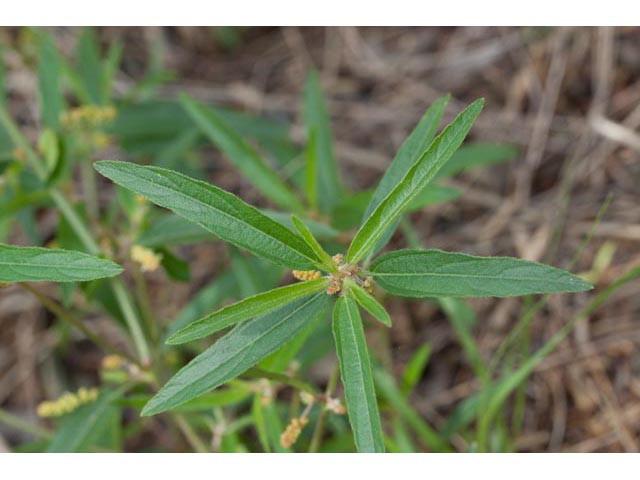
x=240 y=349
x=89 y=66
x=355 y=369
x=240 y=154
x=83 y=426
x=35 y=264
x=308 y=237
x=415 y=368
x=409 y=152
x=110 y=68
x=476 y=155
x=369 y=303
x=214 y=209
x=51 y=100
x=407 y=155
x=319 y=132
x=311 y=166
x=417 y=178
x=246 y=309
x=434 y=273
x=317 y=229
x=257 y=411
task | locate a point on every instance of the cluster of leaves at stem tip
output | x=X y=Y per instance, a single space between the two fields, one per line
x=267 y=321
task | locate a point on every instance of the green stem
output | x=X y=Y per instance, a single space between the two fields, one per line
x=89 y=188
x=191 y=436
x=19 y=424
x=132 y=320
x=316 y=439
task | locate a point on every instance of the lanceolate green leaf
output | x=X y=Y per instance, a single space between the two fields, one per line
x=416 y=179
x=240 y=349
x=246 y=309
x=328 y=188
x=370 y=304
x=245 y=158
x=355 y=369
x=409 y=152
x=35 y=264
x=434 y=273
x=220 y=212
x=308 y=237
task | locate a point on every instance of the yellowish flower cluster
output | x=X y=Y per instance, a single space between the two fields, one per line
x=148 y=260
x=306 y=274
x=88 y=116
x=113 y=362
x=292 y=432
x=67 y=403
x=335 y=405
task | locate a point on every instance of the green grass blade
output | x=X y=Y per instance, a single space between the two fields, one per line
x=240 y=154
x=370 y=304
x=214 y=209
x=355 y=369
x=434 y=273
x=316 y=118
x=393 y=396
x=89 y=66
x=51 y=99
x=476 y=155
x=417 y=178
x=434 y=194
x=308 y=237
x=237 y=351
x=415 y=368
x=35 y=264
x=246 y=309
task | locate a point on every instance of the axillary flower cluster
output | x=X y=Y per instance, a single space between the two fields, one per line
x=337 y=278
x=67 y=403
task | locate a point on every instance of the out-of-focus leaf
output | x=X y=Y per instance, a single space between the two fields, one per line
x=316 y=117
x=476 y=155
x=240 y=154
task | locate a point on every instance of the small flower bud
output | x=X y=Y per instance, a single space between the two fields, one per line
x=148 y=259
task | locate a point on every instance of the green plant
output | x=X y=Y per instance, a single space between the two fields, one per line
x=269 y=320
x=103 y=250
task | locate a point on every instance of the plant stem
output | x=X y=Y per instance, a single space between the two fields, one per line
x=89 y=188
x=132 y=320
x=318 y=431
x=19 y=424
x=191 y=436
x=74 y=322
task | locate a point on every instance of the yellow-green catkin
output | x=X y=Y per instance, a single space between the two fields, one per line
x=306 y=274
x=67 y=403
x=293 y=431
x=148 y=260
x=88 y=117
